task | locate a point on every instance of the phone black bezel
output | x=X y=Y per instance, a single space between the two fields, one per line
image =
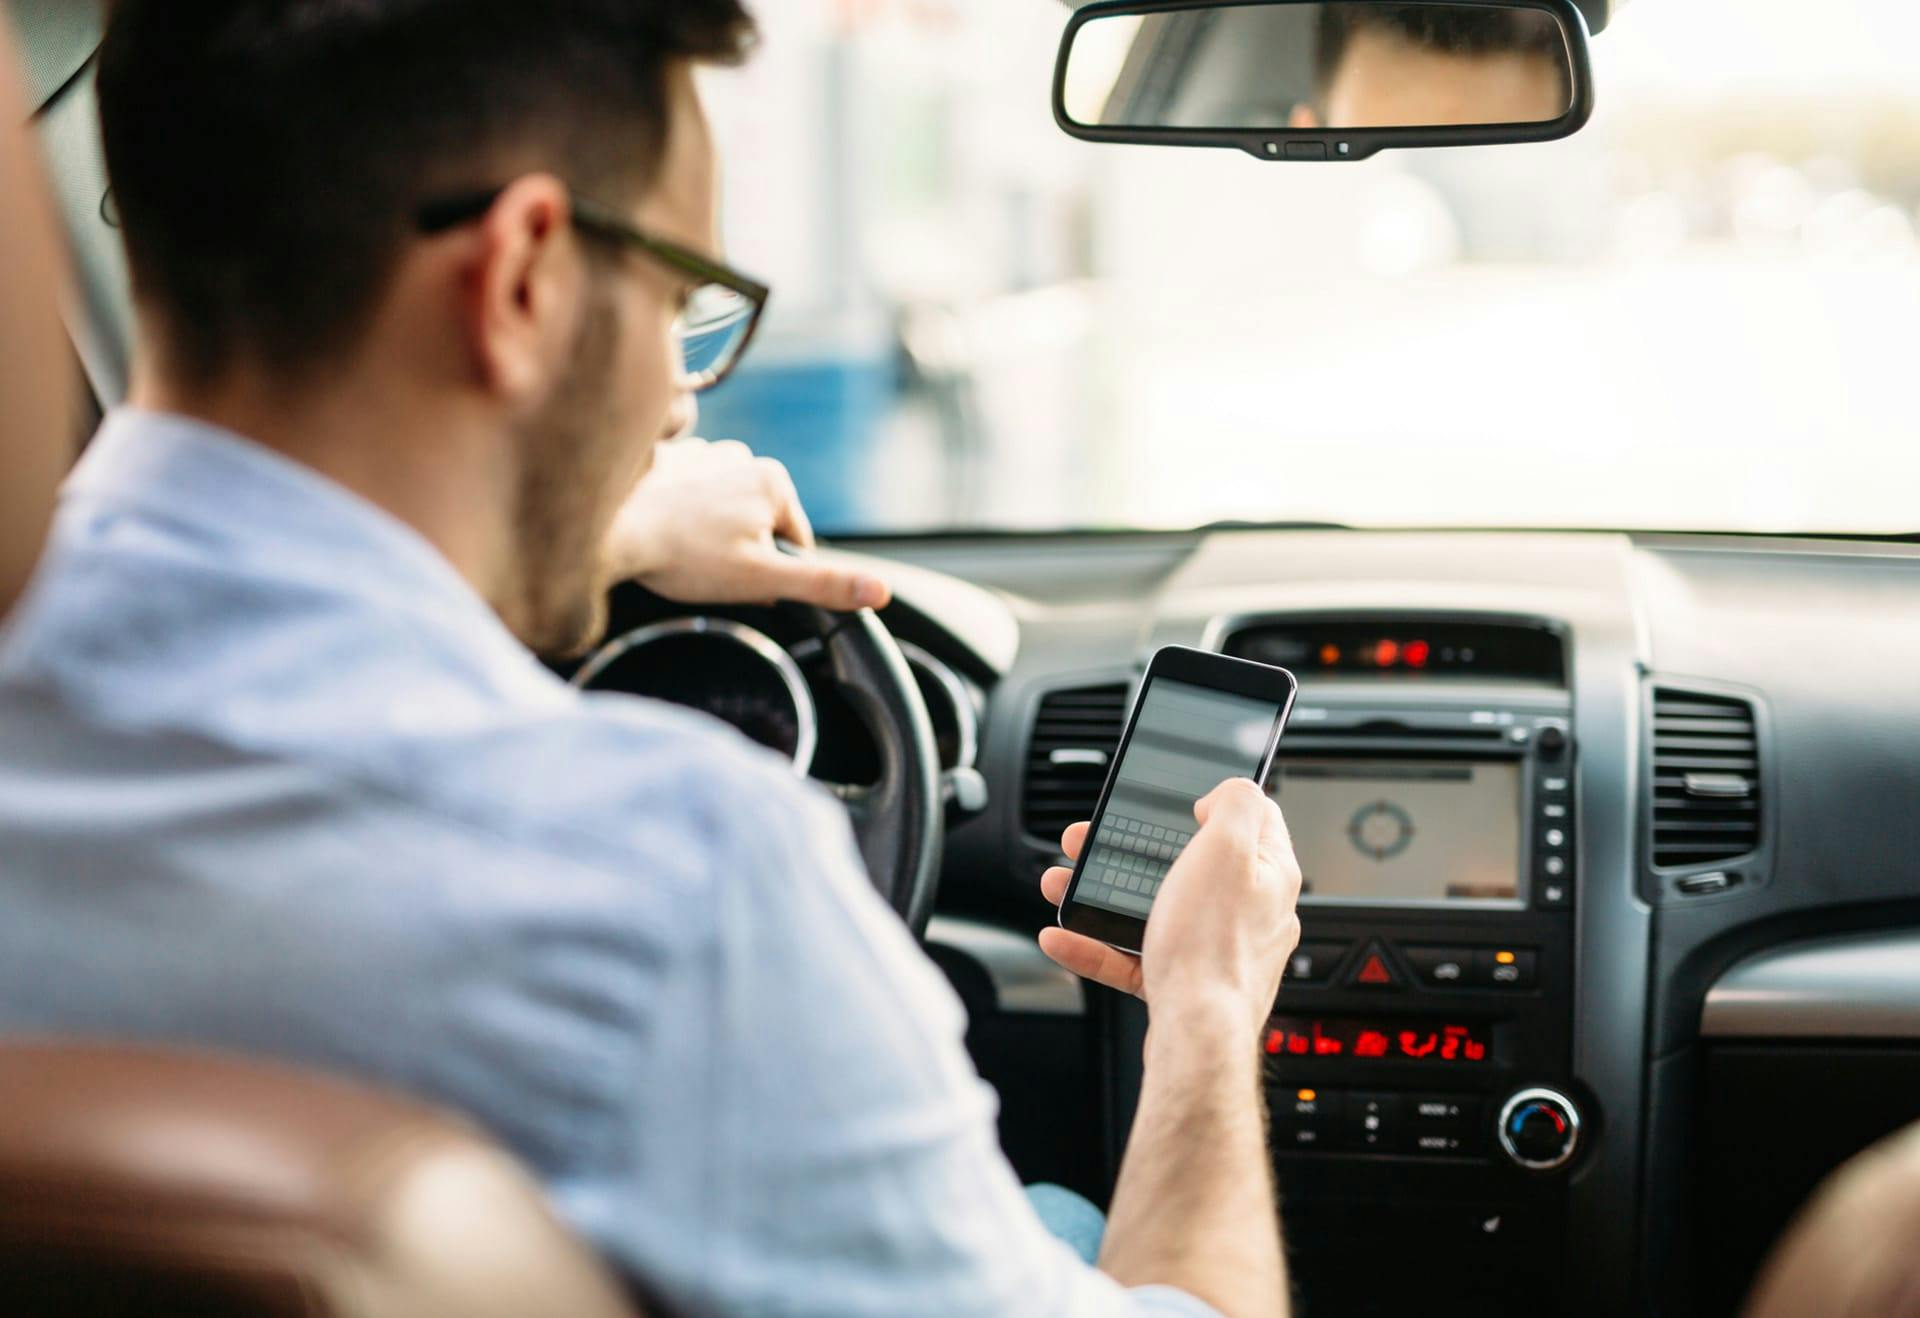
x=1202 y=668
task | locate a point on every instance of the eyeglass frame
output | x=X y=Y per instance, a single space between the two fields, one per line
x=603 y=222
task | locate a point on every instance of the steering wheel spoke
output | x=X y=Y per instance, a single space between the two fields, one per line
x=858 y=800
x=898 y=821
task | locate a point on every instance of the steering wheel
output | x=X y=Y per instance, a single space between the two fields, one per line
x=899 y=821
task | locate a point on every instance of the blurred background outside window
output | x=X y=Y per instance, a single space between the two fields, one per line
x=1703 y=312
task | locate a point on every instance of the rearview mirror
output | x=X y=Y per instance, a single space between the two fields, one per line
x=1302 y=80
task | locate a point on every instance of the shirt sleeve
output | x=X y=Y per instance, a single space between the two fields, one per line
x=852 y=1165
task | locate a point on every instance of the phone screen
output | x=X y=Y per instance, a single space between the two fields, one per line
x=1186 y=741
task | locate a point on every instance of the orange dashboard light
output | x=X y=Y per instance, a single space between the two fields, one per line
x=1504 y=958
x=1387 y=653
x=1329 y=656
x=1308 y=1095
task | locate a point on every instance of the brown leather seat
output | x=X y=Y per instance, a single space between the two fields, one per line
x=140 y=1181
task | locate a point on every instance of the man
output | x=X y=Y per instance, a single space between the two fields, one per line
x=282 y=775
x=35 y=424
x=1394 y=66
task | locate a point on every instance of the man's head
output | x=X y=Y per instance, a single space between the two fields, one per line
x=270 y=159
x=1394 y=66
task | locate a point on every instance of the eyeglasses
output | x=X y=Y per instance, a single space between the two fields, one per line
x=721 y=315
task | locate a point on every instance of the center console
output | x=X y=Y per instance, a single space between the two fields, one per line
x=1418 y=1061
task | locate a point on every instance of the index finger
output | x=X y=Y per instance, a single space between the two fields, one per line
x=789 y=518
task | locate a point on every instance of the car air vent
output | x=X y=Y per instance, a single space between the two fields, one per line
x=1706 y=779
x=1075 y=735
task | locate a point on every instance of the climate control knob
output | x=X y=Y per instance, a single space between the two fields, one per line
x=1540 y=1129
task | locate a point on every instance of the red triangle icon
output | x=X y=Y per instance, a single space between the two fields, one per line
x=1375 y=971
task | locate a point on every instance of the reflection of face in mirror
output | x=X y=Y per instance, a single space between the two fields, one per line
x=1391 y=66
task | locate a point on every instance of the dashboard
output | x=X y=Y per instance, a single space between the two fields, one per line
x=1612 y=858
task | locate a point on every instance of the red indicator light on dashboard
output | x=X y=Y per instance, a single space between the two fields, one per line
x=1325 y=1045
x=1276 y=1040
x=1418 y=653
x=1386 y=654
x=1371 y=1043
x=1413 y=1044
x=1297 y=1045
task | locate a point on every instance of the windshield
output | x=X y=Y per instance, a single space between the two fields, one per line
x=1702 y=312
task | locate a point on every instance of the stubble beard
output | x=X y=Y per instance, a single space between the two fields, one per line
x=574 y=457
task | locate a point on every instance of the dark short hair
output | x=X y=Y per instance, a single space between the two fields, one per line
x=1448 y=29
x=267 y=157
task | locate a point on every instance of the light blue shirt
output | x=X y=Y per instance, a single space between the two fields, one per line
x=274 y=778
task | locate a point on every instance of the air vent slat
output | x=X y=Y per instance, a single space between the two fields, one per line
x=1673 y=707
x=1721 y=763
x=1682 y=727
x=1698 y=734
x=1080 y=719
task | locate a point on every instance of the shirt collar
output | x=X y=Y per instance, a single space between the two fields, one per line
x=283 y=515
x=266 y=515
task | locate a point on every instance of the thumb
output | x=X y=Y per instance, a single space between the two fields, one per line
x=809 y=580
x=1238 y=802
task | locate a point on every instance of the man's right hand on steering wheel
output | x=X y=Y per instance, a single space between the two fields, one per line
x=701 y=528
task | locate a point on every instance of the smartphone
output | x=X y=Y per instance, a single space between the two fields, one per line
x=1199 y=719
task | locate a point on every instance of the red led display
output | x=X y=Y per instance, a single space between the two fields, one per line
x=1399 y=1041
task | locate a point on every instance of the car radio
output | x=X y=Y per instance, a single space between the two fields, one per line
x=1435 y=832
x=1418 y=1059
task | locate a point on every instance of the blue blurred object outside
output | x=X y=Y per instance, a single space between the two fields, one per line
x=823 y=418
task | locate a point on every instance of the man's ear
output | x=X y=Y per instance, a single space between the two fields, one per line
x=521 y=287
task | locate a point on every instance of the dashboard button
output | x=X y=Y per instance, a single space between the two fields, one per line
x=1307 y=1106
x=1452 y=1112
x=1442 y=967
x=1554 y=895
x=1554 y=867
x=1445 y=1143
x=1374 y=970
x=1554 y=789
x=1554 y=810
x=1373 y=1121
x=1506 y=968
x=1313 y=963
x=1305 y=1139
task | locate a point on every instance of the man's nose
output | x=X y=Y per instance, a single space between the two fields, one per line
x=682 y=417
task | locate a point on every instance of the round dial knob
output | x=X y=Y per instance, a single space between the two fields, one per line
x=1540 y=1129
x=1552 y=741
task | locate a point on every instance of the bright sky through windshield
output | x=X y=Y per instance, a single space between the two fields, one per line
x=1699 y=313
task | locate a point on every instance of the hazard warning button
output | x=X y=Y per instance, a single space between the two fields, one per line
x=1373 y=970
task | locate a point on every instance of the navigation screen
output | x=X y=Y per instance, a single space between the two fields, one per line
x=1403 y=830
x=1187 y=741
